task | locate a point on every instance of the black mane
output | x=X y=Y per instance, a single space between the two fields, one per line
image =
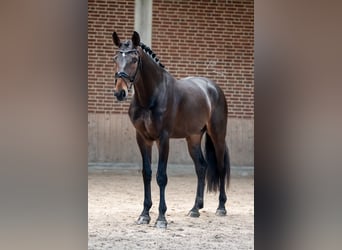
x=149 y=51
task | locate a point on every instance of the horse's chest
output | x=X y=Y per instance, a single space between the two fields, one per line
x=146 y=123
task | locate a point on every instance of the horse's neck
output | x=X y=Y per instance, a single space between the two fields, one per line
x=150 y=79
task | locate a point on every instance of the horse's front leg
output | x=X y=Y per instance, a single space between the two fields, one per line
x=145 y=147
x=163 y=148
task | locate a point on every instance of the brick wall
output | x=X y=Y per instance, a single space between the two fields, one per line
x=197 y=37
x=103 y=18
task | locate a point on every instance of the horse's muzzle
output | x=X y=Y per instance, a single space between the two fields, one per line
x=120 y=95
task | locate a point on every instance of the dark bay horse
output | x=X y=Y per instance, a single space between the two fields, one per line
x=163 y=108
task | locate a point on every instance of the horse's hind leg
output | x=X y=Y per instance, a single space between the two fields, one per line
x=224 y=172
x=223 y=169
x=217 y=131
x=221 y=210
x=194 y=146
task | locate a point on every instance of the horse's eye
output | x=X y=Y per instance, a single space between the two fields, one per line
x=115 y=57
x=134 y=60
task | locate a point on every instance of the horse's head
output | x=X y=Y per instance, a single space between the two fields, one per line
x=127 y=63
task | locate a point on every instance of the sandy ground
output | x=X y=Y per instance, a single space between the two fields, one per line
x=115 y=202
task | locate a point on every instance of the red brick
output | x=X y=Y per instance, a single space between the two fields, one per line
x=216 y=37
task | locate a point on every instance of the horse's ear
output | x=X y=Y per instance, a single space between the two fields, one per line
x=116 y=39
x=135 y=39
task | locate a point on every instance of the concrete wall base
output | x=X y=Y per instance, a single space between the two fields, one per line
x=111 y=139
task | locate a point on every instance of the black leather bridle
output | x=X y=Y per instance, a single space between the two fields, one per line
x=124 y=75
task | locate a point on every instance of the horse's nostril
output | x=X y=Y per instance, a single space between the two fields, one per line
x=120 y=95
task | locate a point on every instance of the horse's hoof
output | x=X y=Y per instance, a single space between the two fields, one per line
x=143 y=219
x=221 y=212
x=194 y=213
x=161 y=224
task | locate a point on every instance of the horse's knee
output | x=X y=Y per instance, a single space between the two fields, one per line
x=147 y=174
x=162 y=180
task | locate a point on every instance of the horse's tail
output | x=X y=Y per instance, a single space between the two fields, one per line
x=213 y=173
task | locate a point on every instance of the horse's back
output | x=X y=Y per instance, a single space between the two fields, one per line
x=209 y=91
x=195 y=98
x=202 y=85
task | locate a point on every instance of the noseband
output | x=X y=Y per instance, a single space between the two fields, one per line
x=124 y=75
